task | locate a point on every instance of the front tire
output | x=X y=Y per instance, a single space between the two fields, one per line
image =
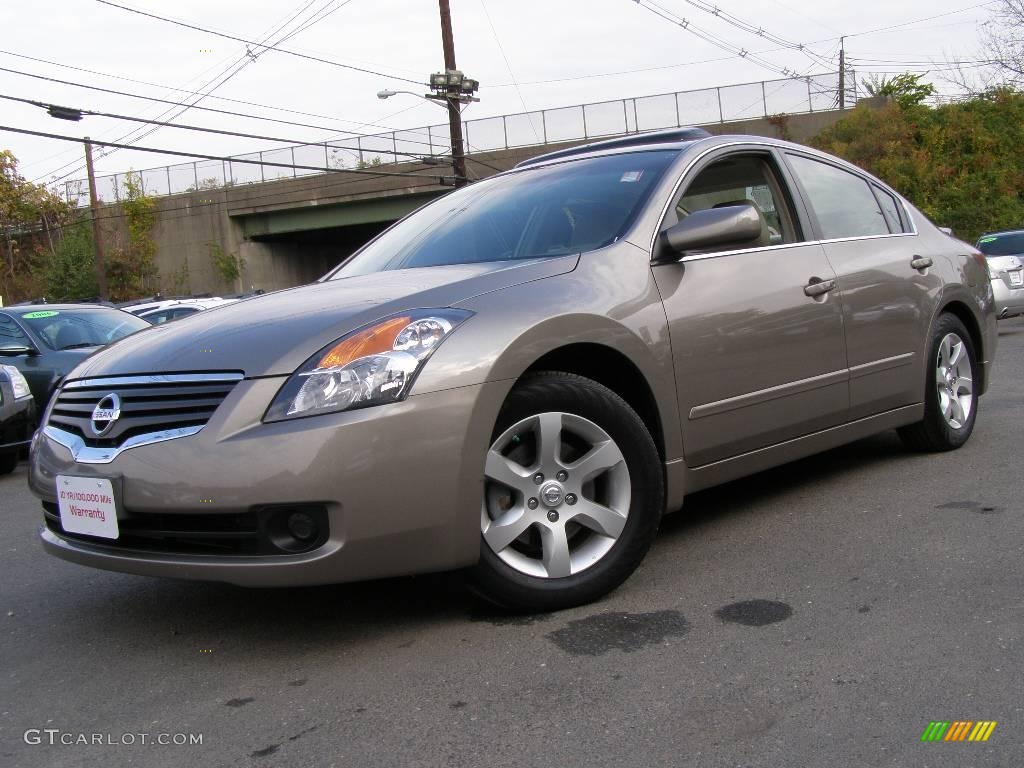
x=573 y=495
x=951 y=396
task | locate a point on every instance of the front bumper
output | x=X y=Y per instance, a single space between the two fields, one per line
x=1009 y=301
x=401 y=485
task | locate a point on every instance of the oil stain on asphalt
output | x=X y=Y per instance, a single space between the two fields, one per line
x=627 y=632
x=972 y=506
x=754 y=613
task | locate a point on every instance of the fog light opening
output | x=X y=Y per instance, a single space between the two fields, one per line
x=302 y=527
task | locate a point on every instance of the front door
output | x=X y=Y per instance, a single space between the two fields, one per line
x=757 y=336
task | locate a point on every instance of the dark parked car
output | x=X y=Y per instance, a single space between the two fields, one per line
x=523 y=376
x=17 y=417
x=45 y=341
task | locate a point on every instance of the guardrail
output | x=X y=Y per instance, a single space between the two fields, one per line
x=705 y=106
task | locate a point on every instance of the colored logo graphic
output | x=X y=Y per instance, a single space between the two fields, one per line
x=958 y=730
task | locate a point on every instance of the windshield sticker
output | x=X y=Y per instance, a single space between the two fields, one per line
x=988 y=239
x=630 y=176
x=40 y=315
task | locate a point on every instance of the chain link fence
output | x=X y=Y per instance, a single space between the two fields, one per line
x=706 y=106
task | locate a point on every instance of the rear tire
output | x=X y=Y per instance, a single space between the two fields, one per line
x=573 y=495
x=951 y=396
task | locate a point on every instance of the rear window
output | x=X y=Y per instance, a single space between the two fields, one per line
x=1002 y=245
x=556 y=210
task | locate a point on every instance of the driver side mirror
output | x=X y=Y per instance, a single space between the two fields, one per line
x=734 y=226
x=13 y=350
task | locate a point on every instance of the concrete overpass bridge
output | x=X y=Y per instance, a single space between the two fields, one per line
x=292 y=229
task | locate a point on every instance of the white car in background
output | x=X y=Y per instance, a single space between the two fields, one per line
x=160 y=312
x=1004 y=252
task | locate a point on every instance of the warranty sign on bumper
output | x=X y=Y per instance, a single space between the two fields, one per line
x=87 y=506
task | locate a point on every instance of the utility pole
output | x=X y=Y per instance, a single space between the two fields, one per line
x=97 y=235
x=454 y=94
x=842 y=73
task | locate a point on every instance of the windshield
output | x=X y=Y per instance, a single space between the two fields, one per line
x=550 y=211
x=1002 y=245
x=79 y=328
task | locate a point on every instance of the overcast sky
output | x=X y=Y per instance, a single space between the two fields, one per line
x=561 y=52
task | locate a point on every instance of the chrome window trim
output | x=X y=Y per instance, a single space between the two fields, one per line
x=84 y=454
x=794 y=150
x=169 y=378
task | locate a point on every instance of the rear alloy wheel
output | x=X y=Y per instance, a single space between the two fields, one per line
x=572 y=495
x=951 y=399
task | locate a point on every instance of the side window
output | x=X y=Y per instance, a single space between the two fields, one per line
x=739 y=180
x=842 y=201
x=10 y=333
x=890 y=209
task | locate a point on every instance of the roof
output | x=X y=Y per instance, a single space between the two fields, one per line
x=650 y=139
x=24 y=309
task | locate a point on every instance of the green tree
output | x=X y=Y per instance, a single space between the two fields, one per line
x=71 y=272
x=906 y=89
x=959 y=163
x=131 y=263
x=31 y=217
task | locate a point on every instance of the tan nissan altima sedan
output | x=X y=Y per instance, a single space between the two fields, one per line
x=523 y=376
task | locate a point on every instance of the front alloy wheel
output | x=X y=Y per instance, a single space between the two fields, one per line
x=572 y=495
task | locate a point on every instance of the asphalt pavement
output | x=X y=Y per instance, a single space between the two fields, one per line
x=819 y=614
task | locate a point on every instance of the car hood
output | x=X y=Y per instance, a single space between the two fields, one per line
x=274 y=334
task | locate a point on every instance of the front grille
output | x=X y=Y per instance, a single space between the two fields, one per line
x=257 y=532
x=147 y=404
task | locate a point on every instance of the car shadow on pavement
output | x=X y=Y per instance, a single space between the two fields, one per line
x=755 y=492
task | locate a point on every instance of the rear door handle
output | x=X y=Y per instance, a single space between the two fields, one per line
x=818 y=287
x=921 y=262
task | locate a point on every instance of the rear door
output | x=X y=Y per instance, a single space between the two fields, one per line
x=884 y=282
x=758 y=361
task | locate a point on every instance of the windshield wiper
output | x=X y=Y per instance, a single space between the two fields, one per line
x=79 y=345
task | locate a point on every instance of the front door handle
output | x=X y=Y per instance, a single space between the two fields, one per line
x=921 y=262
x=817 y=287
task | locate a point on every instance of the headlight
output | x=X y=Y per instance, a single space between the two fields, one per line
x=371 y=366
x=17 y=381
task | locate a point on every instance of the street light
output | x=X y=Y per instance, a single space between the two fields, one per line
x=451 y=89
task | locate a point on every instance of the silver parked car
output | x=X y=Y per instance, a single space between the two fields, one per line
x=1005 y=251
x=523 y=376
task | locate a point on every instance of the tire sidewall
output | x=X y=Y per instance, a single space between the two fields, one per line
x=949 y=436
x=582 y=397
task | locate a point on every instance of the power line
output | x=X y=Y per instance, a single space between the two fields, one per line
x=258 y=45
x=218 y=81
x=718 y=42
x=201 y=156
x=508 y=66
x=178 y=103
x=204 y=129
x=183 y=90
x=752 y=29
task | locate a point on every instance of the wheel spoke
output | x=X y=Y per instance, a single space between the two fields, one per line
x=956 y=411
x=945 y=404
x=600 y=458
x=507 y=528
x=956 y=352
x=944 y=353
x=555 y=548
x=964 y=385
x=599 y=518
x=501 y=470
x=549 y=439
